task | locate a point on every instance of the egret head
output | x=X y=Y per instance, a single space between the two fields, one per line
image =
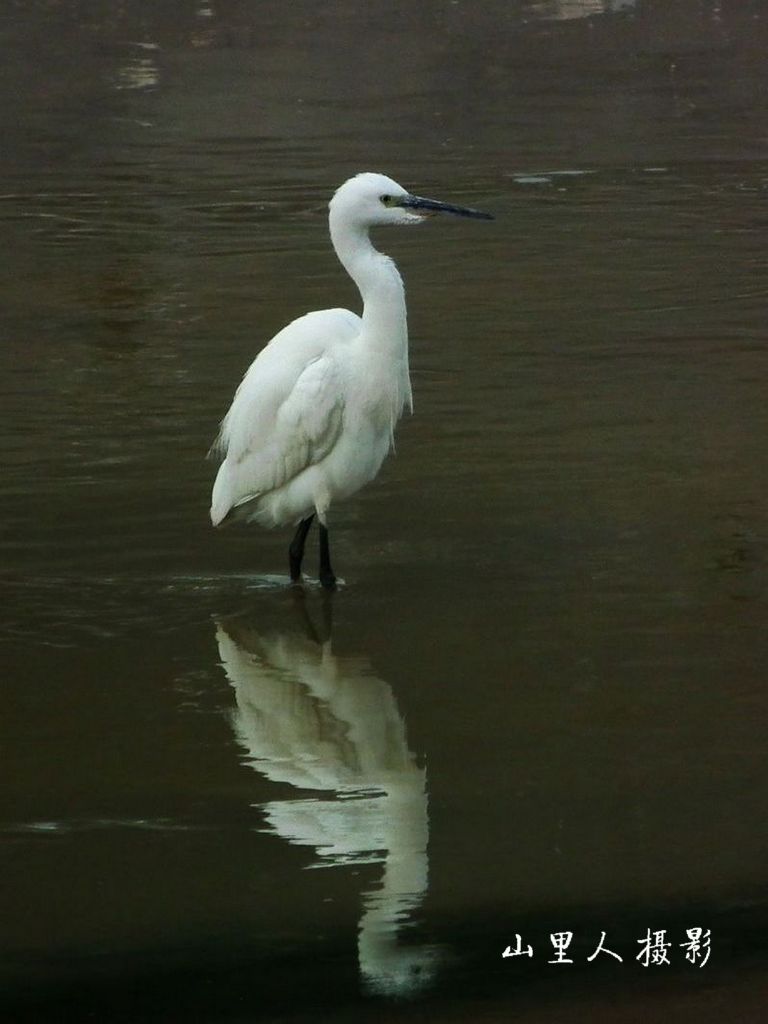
x=370 y=199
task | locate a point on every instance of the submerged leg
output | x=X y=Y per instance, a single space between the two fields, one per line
x=327 y=579
x=320 y=635
x=296 y=550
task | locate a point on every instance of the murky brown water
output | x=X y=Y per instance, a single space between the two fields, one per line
x=543 y=707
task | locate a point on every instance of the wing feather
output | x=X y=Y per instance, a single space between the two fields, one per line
x=288 y=411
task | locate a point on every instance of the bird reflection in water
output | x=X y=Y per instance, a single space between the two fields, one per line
x=321 y=722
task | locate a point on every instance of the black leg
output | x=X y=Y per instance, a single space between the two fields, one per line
x=327 y=579
x=296 y=550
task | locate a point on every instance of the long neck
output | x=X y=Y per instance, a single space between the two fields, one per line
x=381 y=288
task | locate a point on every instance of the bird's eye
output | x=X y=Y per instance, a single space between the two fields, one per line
x=387 y=200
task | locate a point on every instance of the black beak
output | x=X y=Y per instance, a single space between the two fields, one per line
x=434 y=206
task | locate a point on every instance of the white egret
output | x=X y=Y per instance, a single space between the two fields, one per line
x=314 y=415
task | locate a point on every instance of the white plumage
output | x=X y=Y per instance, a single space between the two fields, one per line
x=285 y=420
x=314 y=416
